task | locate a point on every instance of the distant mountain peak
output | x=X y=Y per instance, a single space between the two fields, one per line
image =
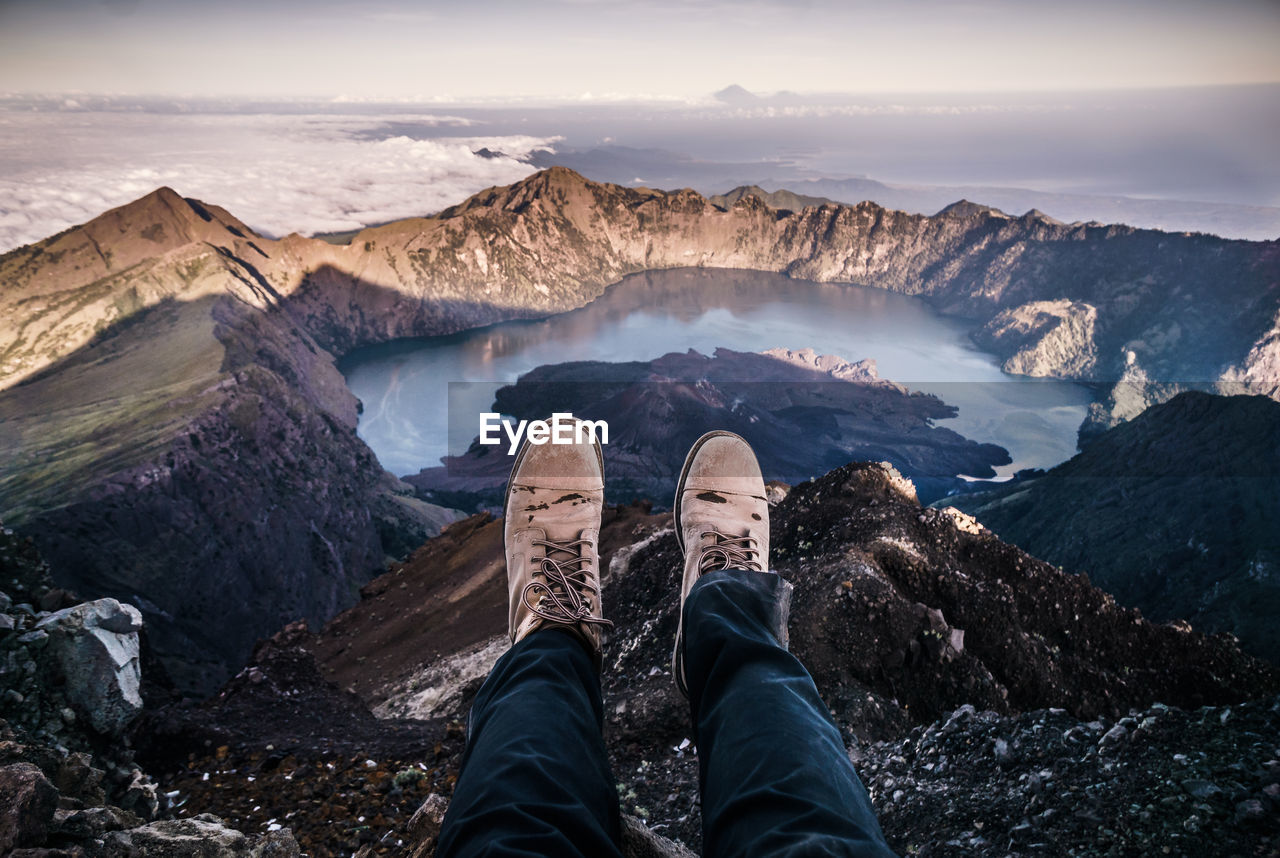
x=780 y=199
x=967 y=208
x=734 y=94
x=1036 y=214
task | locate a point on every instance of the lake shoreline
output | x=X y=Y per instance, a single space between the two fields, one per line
x=402 y=383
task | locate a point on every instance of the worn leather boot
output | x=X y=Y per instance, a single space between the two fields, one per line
x=552 y=525
x=721 y=518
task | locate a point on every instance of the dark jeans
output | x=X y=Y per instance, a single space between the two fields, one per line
x=775 y=777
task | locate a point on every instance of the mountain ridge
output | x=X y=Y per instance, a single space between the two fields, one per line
x=151 y=355
x=803 y=244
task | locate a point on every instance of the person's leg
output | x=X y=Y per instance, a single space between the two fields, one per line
x=535 y=777
x=774 y=773
x=775 y=776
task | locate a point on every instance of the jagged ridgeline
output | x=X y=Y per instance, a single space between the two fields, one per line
x=173 y=430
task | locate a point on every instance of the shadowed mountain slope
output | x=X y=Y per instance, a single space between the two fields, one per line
x=1173 y=512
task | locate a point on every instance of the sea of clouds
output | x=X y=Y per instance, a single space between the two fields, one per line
x=1181 y=159
x=277 y=173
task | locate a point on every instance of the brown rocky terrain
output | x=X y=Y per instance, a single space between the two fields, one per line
x=994 y=704
x=170 y=398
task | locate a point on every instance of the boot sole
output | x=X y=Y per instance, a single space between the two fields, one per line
x=677 y=662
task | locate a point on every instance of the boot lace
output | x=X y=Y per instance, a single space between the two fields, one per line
x=560 y=599
x=730 y=552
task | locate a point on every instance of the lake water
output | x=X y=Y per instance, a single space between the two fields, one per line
x=422 y=397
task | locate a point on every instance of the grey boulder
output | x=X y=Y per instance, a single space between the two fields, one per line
x=96 y=646
x=203 y=836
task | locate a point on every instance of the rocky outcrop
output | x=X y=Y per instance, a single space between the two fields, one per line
x=201 y=836
x=1172 y=512
x=69 y=686
x=162 y=357
x=1260 y=371
x=801 y=411
x=861 y=372
x=95 y=646
x=1054 y=339
x=28 y=801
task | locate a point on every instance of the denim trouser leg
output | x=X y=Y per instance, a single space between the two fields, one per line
x=535 y=778
x=775 y=777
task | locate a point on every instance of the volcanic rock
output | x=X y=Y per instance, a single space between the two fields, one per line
x=1062 y=718
x=27 y=802
x=202 y=836
x=96 y=646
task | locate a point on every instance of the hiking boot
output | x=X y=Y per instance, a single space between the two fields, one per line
x=721 y=518
x=552 y=525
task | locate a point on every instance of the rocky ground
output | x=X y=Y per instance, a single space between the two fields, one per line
x=993 y=704
x=70 y=682
x=1159 y=781
x=282 y=746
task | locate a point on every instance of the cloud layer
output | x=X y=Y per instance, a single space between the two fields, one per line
x=279 y=174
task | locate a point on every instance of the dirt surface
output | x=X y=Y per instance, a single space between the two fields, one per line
x=450 y=594
x=281 y=745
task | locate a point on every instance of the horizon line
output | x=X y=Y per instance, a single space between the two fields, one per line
x=609 y=97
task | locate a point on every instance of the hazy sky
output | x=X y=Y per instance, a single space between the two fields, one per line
x=502 y=48
x=366 y=112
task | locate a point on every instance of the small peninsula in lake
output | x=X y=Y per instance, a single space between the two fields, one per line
x=806 y=413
